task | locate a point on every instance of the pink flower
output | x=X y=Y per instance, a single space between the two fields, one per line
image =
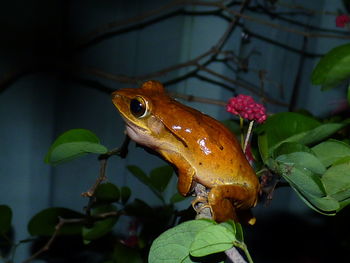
x=247 y=108
x=342 y=20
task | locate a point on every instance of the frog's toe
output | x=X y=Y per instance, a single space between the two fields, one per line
x=199 y=202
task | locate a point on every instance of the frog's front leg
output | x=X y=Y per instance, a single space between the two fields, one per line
x=224 y=199
x=185 y=172
x=185 y=180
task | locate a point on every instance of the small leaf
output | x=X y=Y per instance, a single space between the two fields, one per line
x=160 y=177
x=325 y=205
x=174 y=244
x=337 y=180
x=321 y=132
x=283 y=125
x=303 y=180
x=5 y=219
x=331 y=151
x=125 y=193
x=236 y=229
x=314 y=135
x=344 y=203
x=333 y=68
x=101 y=227
x=309 y=188
x=141 y=175
x=263 y=147
x=139 y=208
x=290 y=147
x=44 y=223
x=279 y=127
x=303 y=160
x=212 y=239
x=177 y=198
x=72 y=144
x=123 y=253
x=292 y=127
x=107 y=192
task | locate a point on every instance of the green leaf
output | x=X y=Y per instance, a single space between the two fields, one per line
x=72 y=144
x=125 y=193
x=290 y=147
x=139 y=208
x=303 y=130
x=303 y=160
x=177 y=198
x=5 y=219
x=44 y=223
x=337 y=180
x=123 y=253
x=348 y=94
x=320 y=133
x=325 y=205
x=331 y=151
x=314 y=135
x=344 y=203
x=101 y=227
x=173 y=245
x=236 y=229
x=309 y=187
x=141 y=175
x=280 y=127
x=212 y=239
x=303 y=180
x=107 y=192
x=160 y=177
x=263 y=147
x=333 y=68
x=342 y=160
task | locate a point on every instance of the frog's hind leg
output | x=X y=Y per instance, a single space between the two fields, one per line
x=224 y=199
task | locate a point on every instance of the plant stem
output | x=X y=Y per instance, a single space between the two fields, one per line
x=249 y=132
x=242 y=131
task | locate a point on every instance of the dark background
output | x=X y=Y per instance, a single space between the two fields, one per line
x=51 y=81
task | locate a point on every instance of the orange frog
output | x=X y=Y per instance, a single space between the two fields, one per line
x=202 y=149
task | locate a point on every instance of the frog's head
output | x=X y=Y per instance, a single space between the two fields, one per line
x=136 y=106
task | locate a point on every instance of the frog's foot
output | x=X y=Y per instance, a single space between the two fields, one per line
x=199 y=202
x=202 y=208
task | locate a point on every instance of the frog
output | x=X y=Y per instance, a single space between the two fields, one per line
x=202 y=150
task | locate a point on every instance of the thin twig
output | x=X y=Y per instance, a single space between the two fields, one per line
x=121 y=151
x=303 y=8
x=266 y=23
x=137 y=19
x=58 y=227
x=197 y=99
x=64 y=221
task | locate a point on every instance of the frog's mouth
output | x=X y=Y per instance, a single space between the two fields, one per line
x=137 y=133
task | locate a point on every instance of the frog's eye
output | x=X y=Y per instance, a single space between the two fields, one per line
x=138 y=107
